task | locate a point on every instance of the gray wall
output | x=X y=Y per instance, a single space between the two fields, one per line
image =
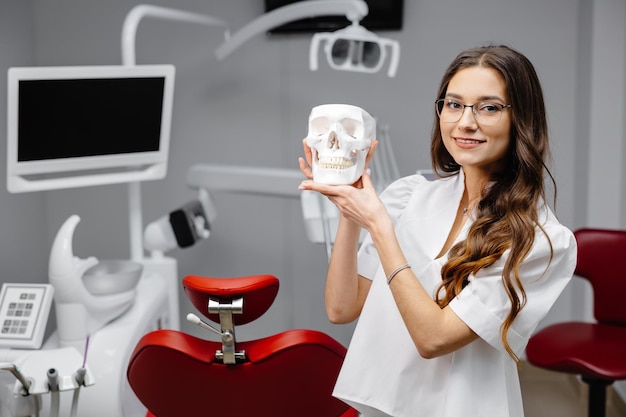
x=23 y=229
x=251 y=110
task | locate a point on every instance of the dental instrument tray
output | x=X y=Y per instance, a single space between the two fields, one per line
x=24 y=311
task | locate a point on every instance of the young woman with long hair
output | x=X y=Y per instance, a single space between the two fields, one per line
x=454 y=273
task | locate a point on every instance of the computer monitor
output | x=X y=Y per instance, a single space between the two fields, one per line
x=87 y=125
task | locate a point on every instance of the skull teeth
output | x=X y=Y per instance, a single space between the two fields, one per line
x=335 y=162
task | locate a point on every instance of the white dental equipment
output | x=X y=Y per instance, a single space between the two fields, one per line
x=80 y=312
x=24 y=311
x=384 y=159
x=87 y=125
x=182 y=227
x=354 y=10
x=35 y=377
x=102 y=309
x=355 y=48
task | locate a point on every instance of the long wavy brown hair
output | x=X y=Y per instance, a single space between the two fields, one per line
x=507 y=212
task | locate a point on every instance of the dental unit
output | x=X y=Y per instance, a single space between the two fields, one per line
x=104 y=306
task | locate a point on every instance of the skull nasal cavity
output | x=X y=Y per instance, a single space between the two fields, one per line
x=333 y=141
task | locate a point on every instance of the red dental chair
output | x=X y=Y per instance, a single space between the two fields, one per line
x=291 y=373
x=595 y=351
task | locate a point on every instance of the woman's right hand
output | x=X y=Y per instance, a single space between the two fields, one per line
x=306 y=166
x=345 y=291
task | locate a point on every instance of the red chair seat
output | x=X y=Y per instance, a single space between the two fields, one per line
x=176 y=374
x=587 y=349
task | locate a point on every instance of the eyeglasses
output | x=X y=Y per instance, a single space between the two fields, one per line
x=355 y=48
x=486 y=112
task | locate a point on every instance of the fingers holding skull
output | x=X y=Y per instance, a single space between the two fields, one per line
x=306 y=165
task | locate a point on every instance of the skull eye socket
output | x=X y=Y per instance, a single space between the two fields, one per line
x=320 y=126
x=350 y=127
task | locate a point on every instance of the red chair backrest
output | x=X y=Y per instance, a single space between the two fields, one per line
x=600 y=253
x=290 y=374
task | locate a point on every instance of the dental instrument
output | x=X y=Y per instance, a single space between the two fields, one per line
x=16 y=399
x=36 y=378
x=18 y=375
x=193 y=319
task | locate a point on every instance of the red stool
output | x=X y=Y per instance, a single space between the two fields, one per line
x=595 y=351
x=291 y=373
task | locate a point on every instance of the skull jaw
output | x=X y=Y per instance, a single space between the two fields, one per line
x=338 y=176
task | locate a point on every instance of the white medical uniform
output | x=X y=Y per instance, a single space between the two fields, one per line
x=383 y=373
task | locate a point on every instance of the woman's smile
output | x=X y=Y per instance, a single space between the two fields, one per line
x=468 y=143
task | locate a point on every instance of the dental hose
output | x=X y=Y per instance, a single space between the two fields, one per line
x=53 y=384
x=54 y=404
x=79 y=377
x=37 y=406
x=80 y=380
x=74 y=409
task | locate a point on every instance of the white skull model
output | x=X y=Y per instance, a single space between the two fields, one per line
x=339 y=136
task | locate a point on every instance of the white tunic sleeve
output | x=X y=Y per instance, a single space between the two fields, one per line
x=484 y=305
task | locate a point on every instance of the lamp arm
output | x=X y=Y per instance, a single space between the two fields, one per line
x=354 y=10
x=129 y=34
x=129 y=30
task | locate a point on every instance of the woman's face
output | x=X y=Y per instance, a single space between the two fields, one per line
x=472 y=144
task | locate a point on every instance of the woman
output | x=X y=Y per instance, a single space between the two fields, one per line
x=455 y=273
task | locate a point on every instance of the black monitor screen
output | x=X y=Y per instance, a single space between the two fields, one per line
x=66 y=118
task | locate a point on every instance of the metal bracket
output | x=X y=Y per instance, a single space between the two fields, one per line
x=225 y=311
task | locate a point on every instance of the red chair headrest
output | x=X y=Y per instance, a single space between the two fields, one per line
x=258 y=293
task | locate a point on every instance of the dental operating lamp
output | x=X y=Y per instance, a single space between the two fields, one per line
x=354 y=10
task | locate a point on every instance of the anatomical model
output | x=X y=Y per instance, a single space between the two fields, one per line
x=339 y=136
